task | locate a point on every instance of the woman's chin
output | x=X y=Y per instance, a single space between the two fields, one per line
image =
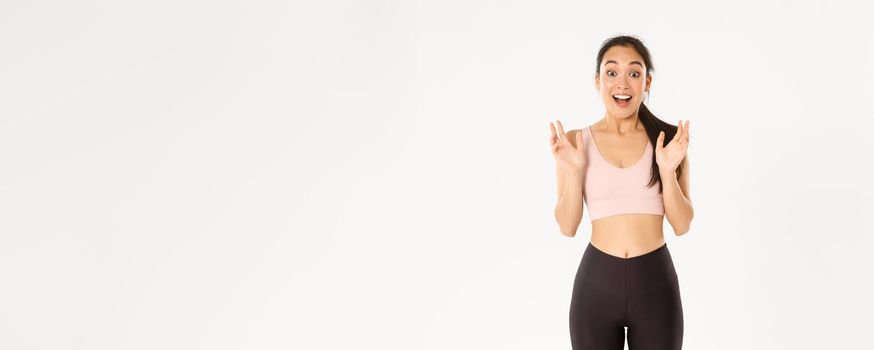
x=622 y=113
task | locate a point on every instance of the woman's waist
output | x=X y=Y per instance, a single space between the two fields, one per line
x=628 y=237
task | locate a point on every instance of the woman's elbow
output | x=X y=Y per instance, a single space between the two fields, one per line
x=564 y=229
x=567 y=229
x=682 y=230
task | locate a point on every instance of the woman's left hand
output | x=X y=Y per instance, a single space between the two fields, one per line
x=669 y=157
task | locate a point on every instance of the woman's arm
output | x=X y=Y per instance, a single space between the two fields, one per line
x=678 y=203
x=569 y=209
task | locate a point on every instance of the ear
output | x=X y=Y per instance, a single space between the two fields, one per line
x=597 y=81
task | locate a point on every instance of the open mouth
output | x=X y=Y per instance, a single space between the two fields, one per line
x=622 y=100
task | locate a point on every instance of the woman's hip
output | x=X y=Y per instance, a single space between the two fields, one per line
x=642 y=273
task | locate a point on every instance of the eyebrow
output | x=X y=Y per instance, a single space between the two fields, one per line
x=632 y=62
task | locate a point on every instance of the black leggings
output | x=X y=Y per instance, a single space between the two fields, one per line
x=641 y=293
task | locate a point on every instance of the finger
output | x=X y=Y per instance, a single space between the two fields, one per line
x=580 y=140
x=561 y=134
x=686 y=131
x=679 y=132
x=552 y=137
x=683 y=136
x=660 y=140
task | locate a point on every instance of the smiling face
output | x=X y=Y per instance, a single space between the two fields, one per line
x=622 y=72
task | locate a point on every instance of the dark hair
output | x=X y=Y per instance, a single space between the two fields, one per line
x=651 y=123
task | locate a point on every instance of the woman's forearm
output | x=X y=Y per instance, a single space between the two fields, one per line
x=678 y=209
x=569 y=209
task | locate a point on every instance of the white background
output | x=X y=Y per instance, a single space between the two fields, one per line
x=376 y=174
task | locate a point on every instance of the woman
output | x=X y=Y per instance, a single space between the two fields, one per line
x=626 y=278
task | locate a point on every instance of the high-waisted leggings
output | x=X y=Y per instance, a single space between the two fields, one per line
x=641 y=293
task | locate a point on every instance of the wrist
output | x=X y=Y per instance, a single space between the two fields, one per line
x=575 y=175
x=667 y=174
x=569 y=169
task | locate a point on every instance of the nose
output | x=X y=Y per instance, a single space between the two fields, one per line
x=622 y=89
x=623 y=83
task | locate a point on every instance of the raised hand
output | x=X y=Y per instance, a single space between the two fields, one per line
x=570 y=159
x=669 y=157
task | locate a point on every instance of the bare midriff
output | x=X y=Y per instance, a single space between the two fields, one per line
x=628 y=235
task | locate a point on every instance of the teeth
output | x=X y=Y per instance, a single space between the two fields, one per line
x=624 y=97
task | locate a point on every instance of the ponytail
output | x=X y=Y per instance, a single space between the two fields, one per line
x=653 y=126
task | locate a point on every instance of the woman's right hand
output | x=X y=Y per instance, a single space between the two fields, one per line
x=570 y=158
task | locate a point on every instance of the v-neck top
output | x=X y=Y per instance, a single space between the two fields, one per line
x=609 y=190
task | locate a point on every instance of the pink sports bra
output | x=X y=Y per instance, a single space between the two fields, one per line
x=609 y=190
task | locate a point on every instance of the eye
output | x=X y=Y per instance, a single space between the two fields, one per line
x=613 y=73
